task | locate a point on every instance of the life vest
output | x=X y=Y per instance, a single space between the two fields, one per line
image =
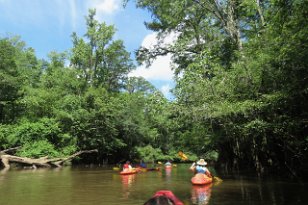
x=200 y=169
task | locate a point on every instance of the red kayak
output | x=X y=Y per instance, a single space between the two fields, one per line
x=125 y=172
x=201 y=179
x=169 y=195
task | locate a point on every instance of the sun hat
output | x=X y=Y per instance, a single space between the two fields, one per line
x=202 y=162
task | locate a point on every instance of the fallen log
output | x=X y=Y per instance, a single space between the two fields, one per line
x=41 y=162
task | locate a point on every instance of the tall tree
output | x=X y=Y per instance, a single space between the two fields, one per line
x=241 y=78
x=18 y=69
x=104 y=61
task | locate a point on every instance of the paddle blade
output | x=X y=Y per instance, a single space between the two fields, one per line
x=218 y=179
x=182 y=155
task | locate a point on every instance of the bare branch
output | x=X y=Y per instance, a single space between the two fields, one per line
x=10 y=149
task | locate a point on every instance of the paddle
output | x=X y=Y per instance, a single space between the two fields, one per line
x=182 y=155
x=217 y=179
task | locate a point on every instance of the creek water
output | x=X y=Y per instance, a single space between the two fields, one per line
x=103 y=186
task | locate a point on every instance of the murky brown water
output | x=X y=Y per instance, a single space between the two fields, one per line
x=103 y=186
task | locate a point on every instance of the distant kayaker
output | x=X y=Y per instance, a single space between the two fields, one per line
x=142 y=164
x=168 y=163
x=200 y=167
x=127 y=166
x=164 y=197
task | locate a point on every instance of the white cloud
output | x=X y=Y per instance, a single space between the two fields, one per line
x=105 y=7
x=150 y=40
x=160 y=69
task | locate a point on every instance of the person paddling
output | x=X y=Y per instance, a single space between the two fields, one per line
x=168 y=163
x=200 y=167
x=127 y=166
x=142 y=164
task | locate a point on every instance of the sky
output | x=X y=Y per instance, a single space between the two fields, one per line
x=46 y=25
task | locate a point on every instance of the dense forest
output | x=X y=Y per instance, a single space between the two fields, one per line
x=240 y=96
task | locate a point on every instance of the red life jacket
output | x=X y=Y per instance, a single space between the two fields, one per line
x=125 y=166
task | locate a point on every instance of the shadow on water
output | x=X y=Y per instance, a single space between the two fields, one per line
x=103 y=186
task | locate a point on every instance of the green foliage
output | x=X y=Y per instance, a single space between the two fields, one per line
x=43 y=148
x=241 y=89
x=211 y=156
x=5 y=140
x=44 y=137
x=37 y=149
x=150 y=154
x=91 y=104
x=241 y=79
x=10 y=87
x=30 y=132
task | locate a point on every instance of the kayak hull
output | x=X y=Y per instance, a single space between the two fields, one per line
x=128 y=172
x=149 y=169
x=170 y=195
x=201 y=179
x=152 y=169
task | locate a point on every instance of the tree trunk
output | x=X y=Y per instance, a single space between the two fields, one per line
x=259 y=8
x=233 y=23
x=228 y=16
x=41 y=162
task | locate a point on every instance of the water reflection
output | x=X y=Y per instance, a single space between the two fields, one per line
x=103 y=186
x=4 y=171
x=168 y=173
x=201 y=194
x=127 y=182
